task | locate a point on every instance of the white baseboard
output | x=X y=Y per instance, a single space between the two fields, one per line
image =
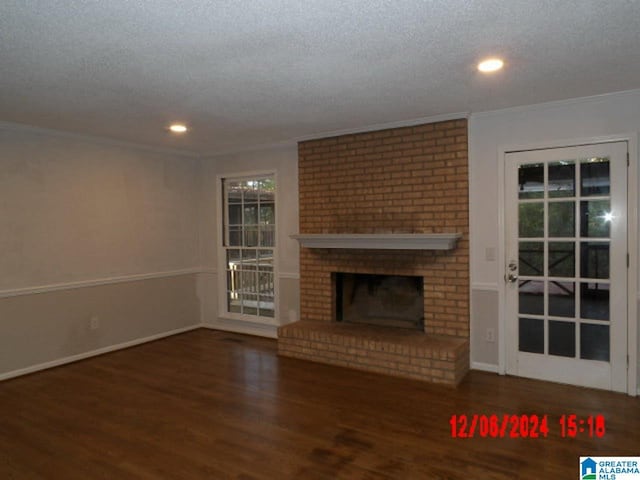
x=239 y=326
x=484 y=367
x=93 y=353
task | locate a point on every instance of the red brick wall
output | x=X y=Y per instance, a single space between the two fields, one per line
x=403 y=180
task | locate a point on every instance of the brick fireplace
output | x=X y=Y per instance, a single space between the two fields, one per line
x=410 y=180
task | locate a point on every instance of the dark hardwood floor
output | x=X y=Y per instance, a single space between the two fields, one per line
x=216 y=405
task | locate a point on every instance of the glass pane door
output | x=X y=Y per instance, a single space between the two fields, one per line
x=567 y=224
x=564 y=242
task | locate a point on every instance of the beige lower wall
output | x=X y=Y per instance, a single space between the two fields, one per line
x=207 y=294
x=485 y=310
x=288 y=300
x=47 y=327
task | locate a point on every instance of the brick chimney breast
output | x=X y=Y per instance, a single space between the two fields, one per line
x=402 y=180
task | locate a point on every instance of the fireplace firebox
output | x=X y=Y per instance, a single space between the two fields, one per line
x=382 y=300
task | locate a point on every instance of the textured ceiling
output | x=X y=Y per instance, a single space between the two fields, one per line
x=249 y=72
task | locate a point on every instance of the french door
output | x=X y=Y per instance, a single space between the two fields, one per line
x=566 y=265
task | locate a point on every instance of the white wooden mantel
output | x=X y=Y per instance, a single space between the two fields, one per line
x=380 y=241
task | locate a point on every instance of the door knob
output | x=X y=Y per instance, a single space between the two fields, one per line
x=512 y=272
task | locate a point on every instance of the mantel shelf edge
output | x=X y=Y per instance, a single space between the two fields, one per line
x=380 y=241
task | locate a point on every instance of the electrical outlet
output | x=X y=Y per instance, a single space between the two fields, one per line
x=490 y=335
x=94 y=323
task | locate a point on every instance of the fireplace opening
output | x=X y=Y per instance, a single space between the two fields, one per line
x=383 y=300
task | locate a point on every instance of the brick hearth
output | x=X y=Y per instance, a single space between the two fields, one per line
x=404 y=180
x=392 y=351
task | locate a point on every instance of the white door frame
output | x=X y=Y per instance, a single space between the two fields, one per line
x=633 y=295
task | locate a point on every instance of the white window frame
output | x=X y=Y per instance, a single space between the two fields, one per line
x=222 y=220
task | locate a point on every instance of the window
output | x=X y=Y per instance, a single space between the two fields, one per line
x=249 y=242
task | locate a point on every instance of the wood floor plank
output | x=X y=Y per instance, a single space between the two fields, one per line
x=209 y=404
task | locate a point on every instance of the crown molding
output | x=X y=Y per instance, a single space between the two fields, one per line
x=11 y=126
x=384 y=126
x=249 y=149
x=555 y=103
x=292 y=142
x=21 y=127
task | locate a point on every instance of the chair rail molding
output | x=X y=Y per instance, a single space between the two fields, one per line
x=14 y=292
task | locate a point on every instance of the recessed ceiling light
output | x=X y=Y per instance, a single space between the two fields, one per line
x=178 y=128
x=490 y=65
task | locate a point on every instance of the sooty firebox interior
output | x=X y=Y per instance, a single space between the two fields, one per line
x=383 y=300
